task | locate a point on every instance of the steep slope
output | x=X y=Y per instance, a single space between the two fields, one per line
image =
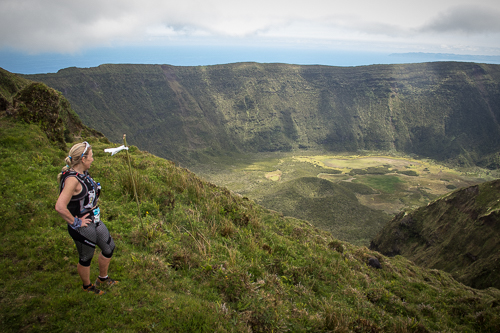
x=200 y=259
x=446 y=111
x=458 y=233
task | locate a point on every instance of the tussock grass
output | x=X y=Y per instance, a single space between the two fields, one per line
x=206 y=260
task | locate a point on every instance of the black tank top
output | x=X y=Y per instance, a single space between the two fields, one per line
x=87 y=199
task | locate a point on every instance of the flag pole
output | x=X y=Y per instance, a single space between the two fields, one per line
x=133 y=182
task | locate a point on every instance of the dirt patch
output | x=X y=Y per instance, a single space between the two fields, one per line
x=274 y=175
x=364 y=162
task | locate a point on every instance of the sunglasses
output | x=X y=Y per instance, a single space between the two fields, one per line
x=86 y=147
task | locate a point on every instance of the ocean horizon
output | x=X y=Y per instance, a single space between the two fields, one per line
x=43 y=63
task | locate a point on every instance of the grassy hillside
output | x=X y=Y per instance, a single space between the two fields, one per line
x=34 y=102
x=204 y=260
x=457 y=233
x=200 y=259
x=10 y=84
x=329 y=206
x=447 y=111
x=350 y=196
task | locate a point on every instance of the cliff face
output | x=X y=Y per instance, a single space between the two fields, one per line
x=458 y=234
x=446 y=111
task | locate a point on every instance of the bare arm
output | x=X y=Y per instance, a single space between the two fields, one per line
x=71 y=187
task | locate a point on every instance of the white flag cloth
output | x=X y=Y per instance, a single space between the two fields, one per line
x=115 y=150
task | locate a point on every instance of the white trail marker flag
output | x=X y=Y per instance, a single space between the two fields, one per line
x=115 y=150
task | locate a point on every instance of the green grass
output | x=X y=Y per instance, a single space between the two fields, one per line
x=383 y=183
x=456 y=233
x=205 y=260
x=367 y=196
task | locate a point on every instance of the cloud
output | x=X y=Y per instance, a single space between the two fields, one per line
x=64 y=26
x=465 y=19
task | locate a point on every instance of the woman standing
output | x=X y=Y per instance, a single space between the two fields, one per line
x=78 y=206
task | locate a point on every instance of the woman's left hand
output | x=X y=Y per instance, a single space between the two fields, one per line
x=85 y=220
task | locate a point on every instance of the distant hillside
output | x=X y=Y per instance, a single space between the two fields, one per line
x=197 y=258
x=458 y=233
x=442 y=110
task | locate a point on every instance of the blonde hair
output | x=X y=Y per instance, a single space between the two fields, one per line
x=75 y=156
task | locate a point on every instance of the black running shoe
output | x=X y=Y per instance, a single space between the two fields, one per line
x=106 y=283
x=93 y=289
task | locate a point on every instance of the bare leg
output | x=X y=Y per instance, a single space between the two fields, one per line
x=84 y=273
x=103 y=265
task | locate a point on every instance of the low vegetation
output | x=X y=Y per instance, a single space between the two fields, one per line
x=194 y=257
x=456 y=233
x=201 y=259
x=350 y=196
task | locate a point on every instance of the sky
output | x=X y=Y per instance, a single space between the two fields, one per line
x=46 y=35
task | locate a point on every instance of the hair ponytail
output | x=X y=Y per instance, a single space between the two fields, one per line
x=74 y=157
